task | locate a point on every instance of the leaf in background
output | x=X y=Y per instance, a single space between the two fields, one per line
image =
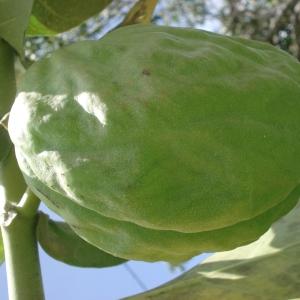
x=140 y=13
x=14 y=17
x=37 y=28
x=50 y=17
x=266 y=269
x=60 y=242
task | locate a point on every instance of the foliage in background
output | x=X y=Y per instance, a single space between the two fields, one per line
x=49 y=17
x=274 y=21
x=168 y=12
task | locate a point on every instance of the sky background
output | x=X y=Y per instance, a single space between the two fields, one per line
x=66 y=282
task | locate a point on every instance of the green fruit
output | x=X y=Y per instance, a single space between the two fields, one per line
x=158 y=143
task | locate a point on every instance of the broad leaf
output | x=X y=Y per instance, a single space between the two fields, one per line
x=14 y=16
x=266 y=269
x=50 y=17
x=61 y=243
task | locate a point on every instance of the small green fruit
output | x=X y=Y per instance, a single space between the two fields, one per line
x=158 y=143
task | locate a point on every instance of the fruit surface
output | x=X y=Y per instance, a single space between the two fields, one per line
x=157 y=143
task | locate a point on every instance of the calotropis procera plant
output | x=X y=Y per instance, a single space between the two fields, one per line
x=153 y=143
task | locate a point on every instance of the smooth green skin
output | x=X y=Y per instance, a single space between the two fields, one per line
x=156 y=132
x=50 y=17
x=60 y=242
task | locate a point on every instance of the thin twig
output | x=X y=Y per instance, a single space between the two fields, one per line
x=140 y=13
x=4 y=121
x=135 y=277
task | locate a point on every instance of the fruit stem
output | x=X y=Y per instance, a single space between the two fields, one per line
x=20 y=248
x=7 y=77
x=17 y=219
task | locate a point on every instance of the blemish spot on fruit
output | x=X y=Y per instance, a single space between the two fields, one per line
x=146 y=72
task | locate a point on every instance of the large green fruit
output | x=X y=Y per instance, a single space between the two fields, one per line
x=158 y=143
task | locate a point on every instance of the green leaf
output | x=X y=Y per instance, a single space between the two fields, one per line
x=50 y=17
x=37 y=28
x=61 y=243
x=14 y=17
x=266 y=269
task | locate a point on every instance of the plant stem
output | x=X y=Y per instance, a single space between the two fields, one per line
x=17 y=219
x=7 y=77
x=21 y=251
